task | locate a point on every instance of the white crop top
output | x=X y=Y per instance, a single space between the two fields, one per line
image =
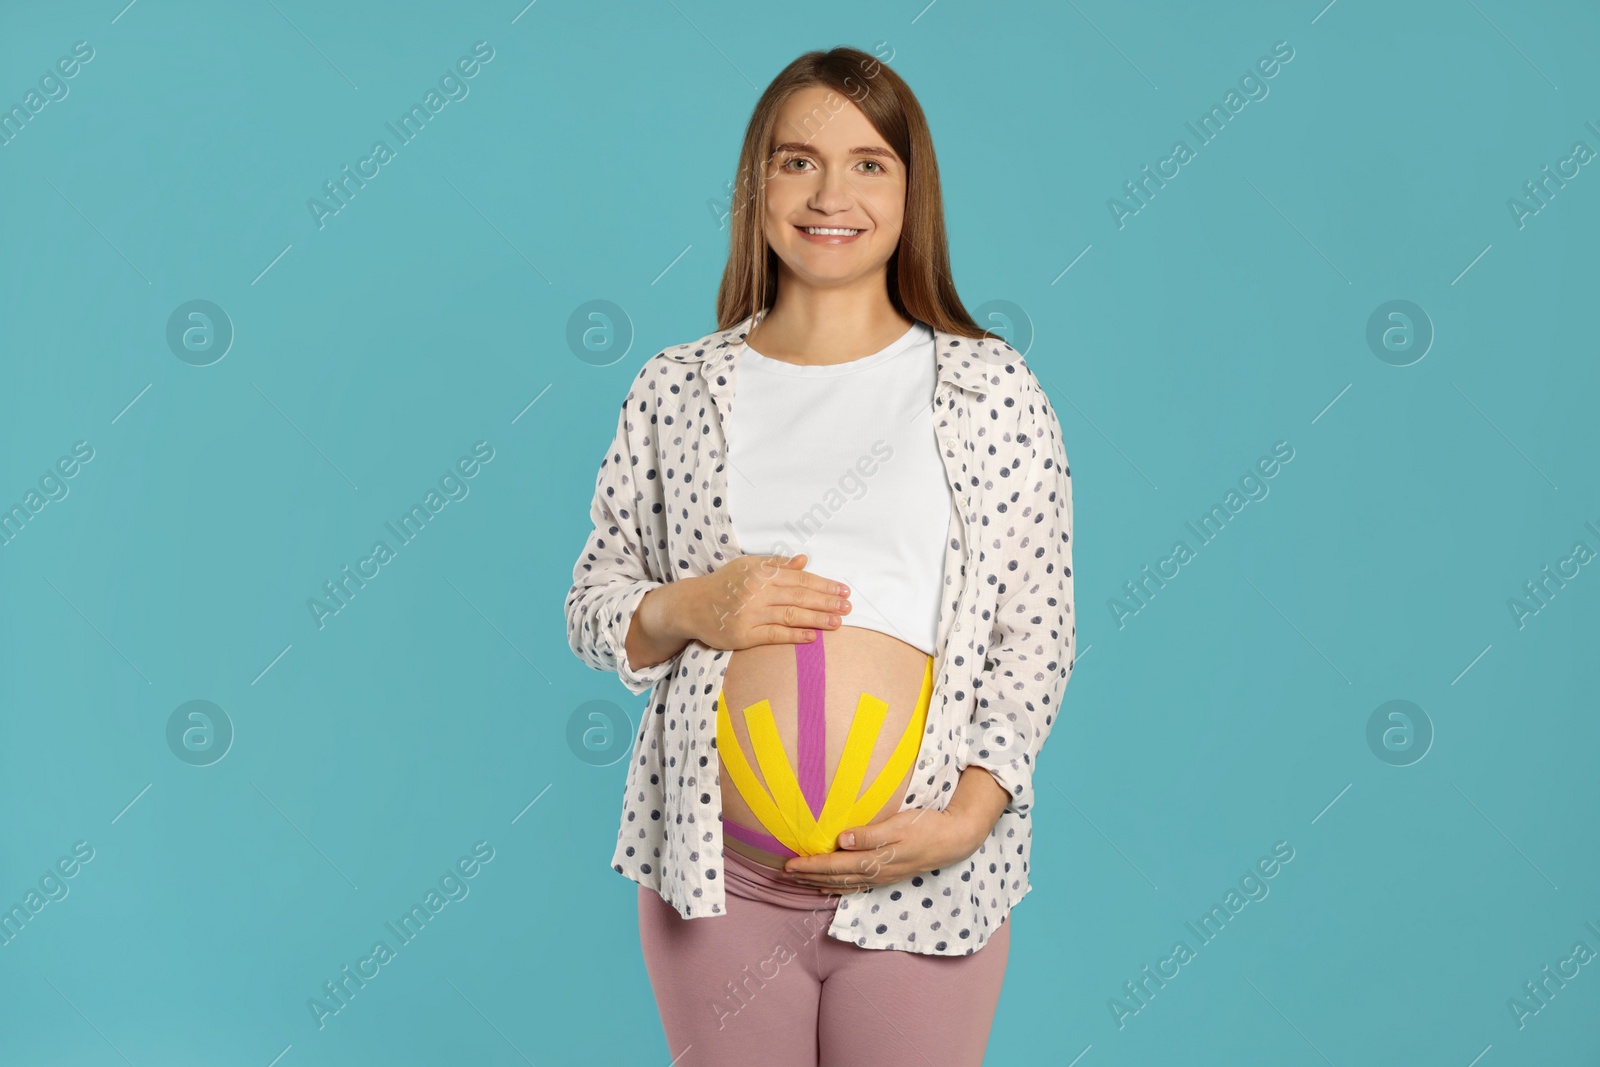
x=841 y=462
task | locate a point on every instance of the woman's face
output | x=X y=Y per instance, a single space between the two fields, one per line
x=829 y=168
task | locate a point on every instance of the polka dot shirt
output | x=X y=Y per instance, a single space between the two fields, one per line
x=1006 y=634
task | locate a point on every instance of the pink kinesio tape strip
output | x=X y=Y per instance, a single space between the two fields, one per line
x=811 y=681
x=755 y=838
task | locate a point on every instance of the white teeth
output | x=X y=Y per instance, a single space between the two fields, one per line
x=826 y=231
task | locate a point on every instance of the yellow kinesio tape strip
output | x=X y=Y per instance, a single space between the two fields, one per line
x=784 y=811
x=780 y=776
x=888 y=780
x=744 y=779
x=864 y=730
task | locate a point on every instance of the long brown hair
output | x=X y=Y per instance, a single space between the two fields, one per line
x=919 y=270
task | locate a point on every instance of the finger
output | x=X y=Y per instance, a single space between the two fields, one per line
x=783 y=584
x=811 y=598
x=866 y=838
x=828 y=618
x=771 y=568
x=801 y=589
x=834 y=865
x=794 y=625
x=787 y=622
x=792 y=584
x=817 y=582
x=773 y=634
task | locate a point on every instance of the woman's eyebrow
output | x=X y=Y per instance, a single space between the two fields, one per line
x=801 y=146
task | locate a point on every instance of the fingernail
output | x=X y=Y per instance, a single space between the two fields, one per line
x=847 y=840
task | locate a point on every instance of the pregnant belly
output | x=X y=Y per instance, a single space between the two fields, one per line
x=818 y=738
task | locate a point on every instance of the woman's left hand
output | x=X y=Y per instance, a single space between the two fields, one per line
x=907 y=843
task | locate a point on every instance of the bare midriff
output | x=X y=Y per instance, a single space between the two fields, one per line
x=852 y=661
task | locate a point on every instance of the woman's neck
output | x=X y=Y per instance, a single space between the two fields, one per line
x=821 y=327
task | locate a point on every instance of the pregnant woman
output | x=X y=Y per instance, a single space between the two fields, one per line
x=833 y=540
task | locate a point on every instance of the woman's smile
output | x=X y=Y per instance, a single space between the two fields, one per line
x=830 y=235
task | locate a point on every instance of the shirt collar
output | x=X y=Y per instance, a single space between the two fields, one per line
x=957 y=359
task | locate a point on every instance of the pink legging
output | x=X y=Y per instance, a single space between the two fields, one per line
x=765 y=984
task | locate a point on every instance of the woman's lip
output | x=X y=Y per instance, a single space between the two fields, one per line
x=831 y=238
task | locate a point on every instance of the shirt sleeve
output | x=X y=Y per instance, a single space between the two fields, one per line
x=1034 y=637
x=621 y=560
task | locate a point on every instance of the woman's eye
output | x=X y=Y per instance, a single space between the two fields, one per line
x=789 y=163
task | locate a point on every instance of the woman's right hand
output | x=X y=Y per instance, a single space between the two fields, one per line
x=764 y=600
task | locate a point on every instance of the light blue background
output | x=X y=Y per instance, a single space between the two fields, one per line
x=587 y=163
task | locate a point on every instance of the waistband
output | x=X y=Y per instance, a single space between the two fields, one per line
x=748 y=879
